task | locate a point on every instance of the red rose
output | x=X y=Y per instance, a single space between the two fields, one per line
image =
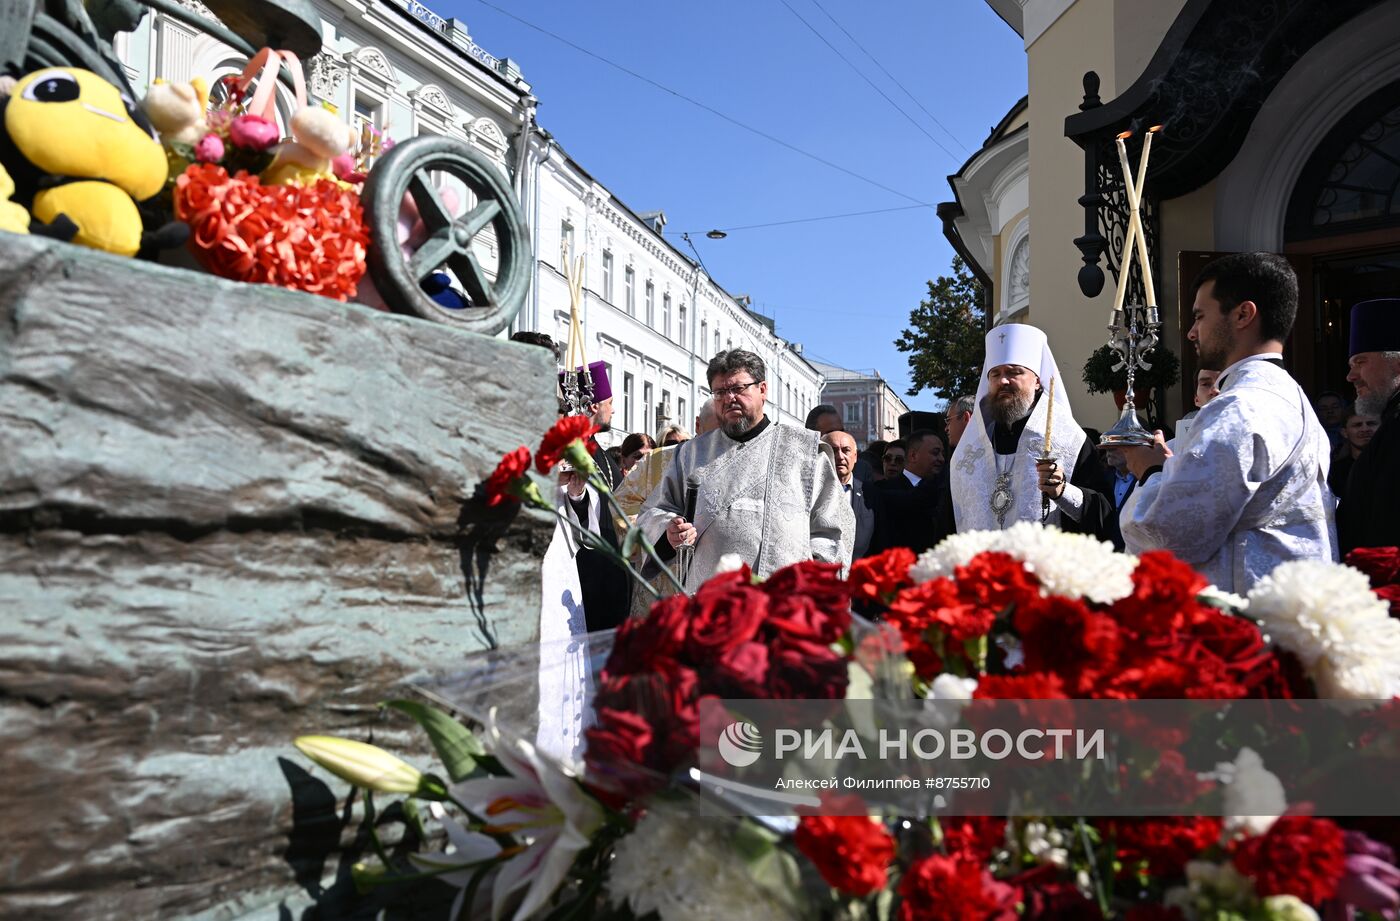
x=1163 y=844
x=805 y=670
x=1298 y=855
x=852 y=853
x=508 y=472
x=1382 y=564
x=617 y=741
x=741 y=672
x=803 y=617
x=640 y=644
x=726 y=611
x=877 y=578
x=995 y=581
x=1063 y=636
x=973 y=837
x=819 y=581
x=940 y=888
x=668 y=700
x=564 y=433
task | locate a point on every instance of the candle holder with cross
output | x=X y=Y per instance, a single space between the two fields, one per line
x=1133 y=328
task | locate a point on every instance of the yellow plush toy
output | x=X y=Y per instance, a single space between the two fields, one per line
x=13 y=217
x=78 y=153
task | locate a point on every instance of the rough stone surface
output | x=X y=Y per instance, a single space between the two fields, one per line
x=229 y=515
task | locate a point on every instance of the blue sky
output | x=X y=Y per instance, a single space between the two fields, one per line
x=843 y=288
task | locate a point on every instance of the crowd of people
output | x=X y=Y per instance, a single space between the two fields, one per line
x=1256 y=475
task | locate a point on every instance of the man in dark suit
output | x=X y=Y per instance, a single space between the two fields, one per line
x=911 y=497
x=843 y=448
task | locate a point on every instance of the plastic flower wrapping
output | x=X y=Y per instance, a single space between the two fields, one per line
x=589 y=788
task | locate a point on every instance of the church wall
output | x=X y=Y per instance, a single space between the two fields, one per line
x=1187 y=223
x=1080 y=40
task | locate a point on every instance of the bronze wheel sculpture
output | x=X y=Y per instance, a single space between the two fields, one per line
x=407 y=169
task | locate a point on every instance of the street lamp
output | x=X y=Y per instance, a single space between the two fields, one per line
x=716 y=235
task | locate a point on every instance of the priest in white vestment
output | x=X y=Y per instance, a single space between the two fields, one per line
x=765 y=492
x=996 y=480
x=1246 y=487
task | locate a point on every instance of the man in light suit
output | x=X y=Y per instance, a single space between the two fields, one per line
x=843 y=450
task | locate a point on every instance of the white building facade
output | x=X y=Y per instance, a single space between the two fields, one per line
x=648 y=311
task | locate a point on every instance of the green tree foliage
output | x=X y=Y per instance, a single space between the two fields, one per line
x=945 y=336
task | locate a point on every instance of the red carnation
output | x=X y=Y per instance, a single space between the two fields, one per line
x=1382 y=564
x=1298 y=855
x=1049 y=897
x=851 y=852
x=996 y=581
x=935 y=623
x=878 y=578
x=500 y=486
x=1033 y=686
x=1164 y=595
x=940 y=888
x=564 y=433
x=973 y=837
x=1164 y=844
x=1063 y=636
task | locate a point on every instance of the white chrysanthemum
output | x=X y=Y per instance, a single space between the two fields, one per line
x=1074 y=565
x=1254 y=797
x=1222 y=599
x=1288 y=908
x=687 y=871
x=1046 y=844
x=1327 y=615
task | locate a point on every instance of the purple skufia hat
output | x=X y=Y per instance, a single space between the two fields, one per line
x=602 y=387
x=1375 y=326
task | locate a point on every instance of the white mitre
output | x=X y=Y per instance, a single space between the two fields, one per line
x=974 y=465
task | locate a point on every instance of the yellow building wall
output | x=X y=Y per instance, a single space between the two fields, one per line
x=1116 y=39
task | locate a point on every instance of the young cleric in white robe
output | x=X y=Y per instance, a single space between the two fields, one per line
x=767 y=493
x=1246 y=488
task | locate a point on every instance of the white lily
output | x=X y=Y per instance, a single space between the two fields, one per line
x=466 y=850
x=540 y=804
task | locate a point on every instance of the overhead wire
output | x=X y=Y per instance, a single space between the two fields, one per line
x=893 y=78
x=801 y=220
x=701 y=105
x=860 y=73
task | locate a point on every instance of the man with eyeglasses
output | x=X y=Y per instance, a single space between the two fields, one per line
x=765 y=492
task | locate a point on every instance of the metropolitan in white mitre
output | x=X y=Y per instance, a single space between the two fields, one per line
x=996 y=480
x=1246 y=487
x=765 y=492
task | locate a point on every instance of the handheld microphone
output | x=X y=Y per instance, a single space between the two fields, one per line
x=692 y=496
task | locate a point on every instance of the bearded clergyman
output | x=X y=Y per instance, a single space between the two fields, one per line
x=997 y=479
x=765 y=492
x=1246 y=487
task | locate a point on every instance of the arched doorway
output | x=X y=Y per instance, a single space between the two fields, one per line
x=1343 y=229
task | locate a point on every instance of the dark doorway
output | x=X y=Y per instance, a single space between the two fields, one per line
x=1338 y=283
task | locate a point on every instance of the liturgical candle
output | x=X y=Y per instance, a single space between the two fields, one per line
x=1049 y=418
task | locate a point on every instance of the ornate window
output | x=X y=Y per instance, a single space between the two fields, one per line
x=1352 y=181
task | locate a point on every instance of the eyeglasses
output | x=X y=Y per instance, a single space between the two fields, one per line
x=720 y=393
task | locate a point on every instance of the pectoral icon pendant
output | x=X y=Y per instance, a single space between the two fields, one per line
x=1002 y=498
